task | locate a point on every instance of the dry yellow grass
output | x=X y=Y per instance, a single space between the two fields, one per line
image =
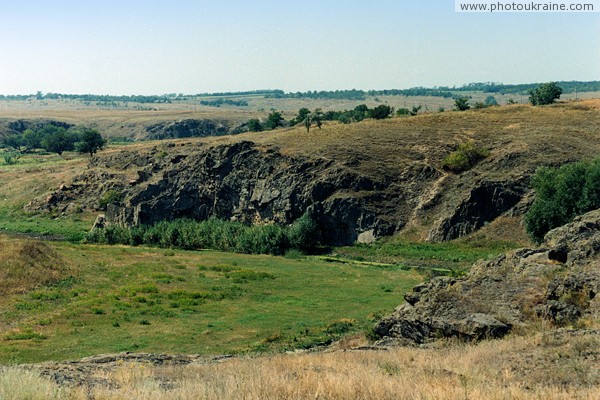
x=543 y=366
x=26 y=264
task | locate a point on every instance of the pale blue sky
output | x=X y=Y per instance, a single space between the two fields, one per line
x=156 y=47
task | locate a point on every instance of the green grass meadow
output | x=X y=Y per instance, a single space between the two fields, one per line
x=114 y=299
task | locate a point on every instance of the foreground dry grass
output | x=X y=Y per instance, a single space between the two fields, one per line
x=543 y=366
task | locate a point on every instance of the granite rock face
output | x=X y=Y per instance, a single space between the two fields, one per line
x=559 y=281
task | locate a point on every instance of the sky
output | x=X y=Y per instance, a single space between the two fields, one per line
x=127 y=47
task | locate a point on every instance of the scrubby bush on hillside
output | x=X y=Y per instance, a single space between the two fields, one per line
x=382 y=111
x=254 y=125
x=215 y=234
x=109 y=197
x=465 y=157
x=490 y=101
x=461 y=104
x=561 y=194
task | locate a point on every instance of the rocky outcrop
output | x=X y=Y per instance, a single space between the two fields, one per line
x=241 y=182
x=254 y=183
x=186 y=128
x=558 y=281
x=483 y=203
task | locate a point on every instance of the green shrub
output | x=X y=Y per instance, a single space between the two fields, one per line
x=11 y=158
x=461 y=104
x=215 y=234
x=490 y=101
x=304 y=234
x=294 y=254
x=403 y=111
x=465 y=157
x=339 y=327
x=265 y=239
x=109 y=197
x=561 y=194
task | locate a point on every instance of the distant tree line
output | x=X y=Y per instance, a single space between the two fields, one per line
x=355 y=94
x=55 y=139
x=490 y=87
x=309 y=118
x=352 y=94
x=226 y=102
x=89 y=98
x=265 y=93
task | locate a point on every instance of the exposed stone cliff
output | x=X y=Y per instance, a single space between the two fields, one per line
x=559 y=282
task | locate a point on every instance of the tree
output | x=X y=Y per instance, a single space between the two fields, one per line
x=274 y=120
x=302 y=113
x=544 y=94
x=90 y=141
x=461 y=104
x=58 y=140
x=561 y=194
x=254 y=125
x=317 y=117
x=307 y=122
x=490 y=101
x=381 y=112
x=12 y=141
x=415 y=110
x=32 y=139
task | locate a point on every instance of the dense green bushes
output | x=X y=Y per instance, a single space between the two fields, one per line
x=561 y=194
x=55 y=139
x=215 y=234
x=466 y=155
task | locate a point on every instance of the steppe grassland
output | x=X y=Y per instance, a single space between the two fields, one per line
x=541 y=366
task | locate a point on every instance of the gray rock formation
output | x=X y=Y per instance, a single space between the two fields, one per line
x=241 y=182
x=247 y=182
x=558 y=281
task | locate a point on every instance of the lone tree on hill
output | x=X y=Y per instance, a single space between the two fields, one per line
x=90 y=141
x=544 y=94
x=308 y=118
x=317 y=117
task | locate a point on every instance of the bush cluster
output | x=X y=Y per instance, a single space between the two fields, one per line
x=465 y=157
x=215 y=234
x=561 y=194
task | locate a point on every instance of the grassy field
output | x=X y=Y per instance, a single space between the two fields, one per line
x=112 y=299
